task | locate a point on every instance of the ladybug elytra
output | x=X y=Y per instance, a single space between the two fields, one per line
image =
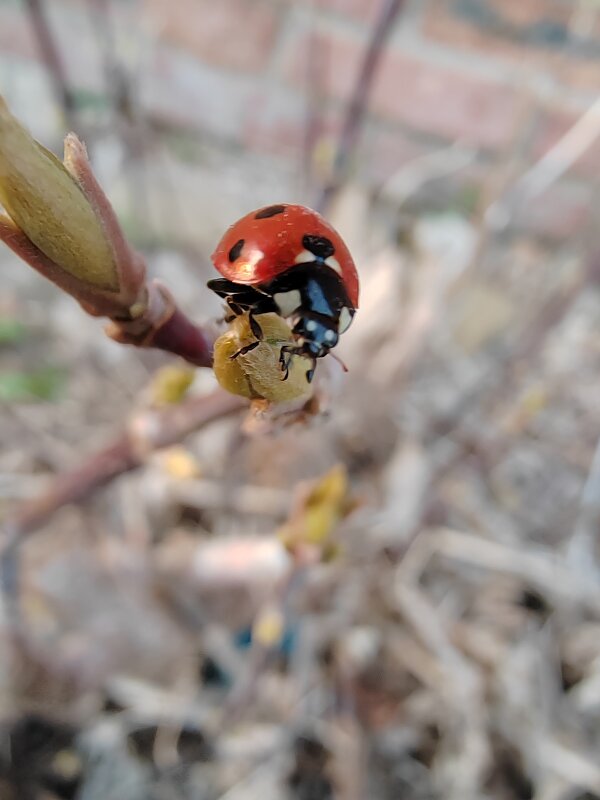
x=288 y=260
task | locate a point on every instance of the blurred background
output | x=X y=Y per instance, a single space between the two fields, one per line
x=397 y=599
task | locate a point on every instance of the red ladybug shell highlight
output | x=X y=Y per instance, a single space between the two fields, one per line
x=266 y=242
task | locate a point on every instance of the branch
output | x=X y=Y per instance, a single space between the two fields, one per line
x=500 y=385
x=357 y=107
x=51 y=57
x=148 y=431
x=551 y=167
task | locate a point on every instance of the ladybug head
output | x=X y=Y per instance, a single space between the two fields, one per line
x=316 y=336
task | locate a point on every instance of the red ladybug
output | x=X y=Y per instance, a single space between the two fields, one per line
x=286 y=259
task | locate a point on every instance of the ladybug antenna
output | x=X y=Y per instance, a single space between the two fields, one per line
x=339 y=360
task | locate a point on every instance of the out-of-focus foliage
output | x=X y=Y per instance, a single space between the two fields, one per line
x=170 y=385
x=12 y=331
x=45 y=383
x=320 y=507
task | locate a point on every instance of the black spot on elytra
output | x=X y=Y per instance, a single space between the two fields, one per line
x=320 y=246
x=269 y=211
x=236 y=250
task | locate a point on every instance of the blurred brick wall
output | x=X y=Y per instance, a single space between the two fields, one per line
x=506 y=77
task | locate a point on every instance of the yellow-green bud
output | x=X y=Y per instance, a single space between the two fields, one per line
x=257 y=374
x=47 y=204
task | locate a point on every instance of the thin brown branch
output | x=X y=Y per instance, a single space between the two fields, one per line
x=51 y=57
x=148 y=431
x=358 y=105
x=317 y=63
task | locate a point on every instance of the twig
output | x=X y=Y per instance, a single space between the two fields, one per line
x=317 y=63
x=129 y=124
x=496 y=387
x=407 y=180
x=248 y=500
x=579 y=770
x=540 y=568
x=359 y=99
x=52 y=59
x=558 y=160
x=149 y=431
x=581 y=549
x=116 y=79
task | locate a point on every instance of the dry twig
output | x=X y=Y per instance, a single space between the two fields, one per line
x=52 y=59
x=357 y=107
x=148 y=431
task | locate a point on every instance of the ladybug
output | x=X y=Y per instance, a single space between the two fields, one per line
x=288 y=260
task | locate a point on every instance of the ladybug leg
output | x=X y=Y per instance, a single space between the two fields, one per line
x=241 y=298
x=258 y=333
x=285 y=359
x=255 y=327
x=244 y=350
x=233 y=308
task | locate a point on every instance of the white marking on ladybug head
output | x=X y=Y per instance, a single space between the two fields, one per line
x=311 y=325
x=305 y=257
x=334 y=264
x=330 y=336
x=344 y=320
x=288 y=302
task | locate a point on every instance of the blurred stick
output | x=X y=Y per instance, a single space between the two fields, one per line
x=495 y=388
x=510 y=363
x=406 y=181
x=359 y=100
x=129 y=124
x=214 y=495
x=582 y=547
x=317 y=63
x=52 y=59
x=580 y=771
x=149 y=431
x=550 y=168
x=545 y=570
x=117 y=81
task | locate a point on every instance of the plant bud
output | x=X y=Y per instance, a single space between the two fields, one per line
x=257 y=374
x=47 y=205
